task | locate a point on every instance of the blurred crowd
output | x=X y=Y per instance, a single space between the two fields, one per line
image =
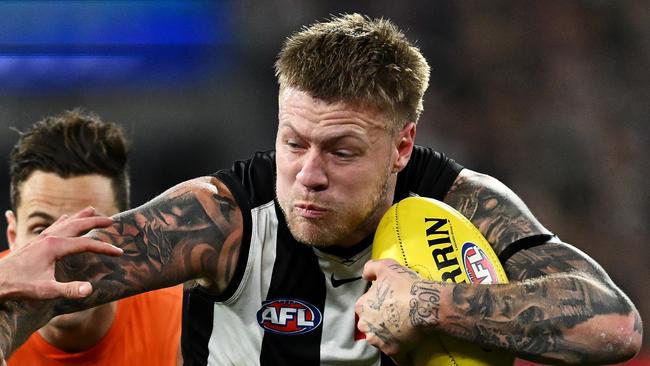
x=550 y=97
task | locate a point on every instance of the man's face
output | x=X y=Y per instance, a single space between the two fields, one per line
x=336 y=168
x=44 y=197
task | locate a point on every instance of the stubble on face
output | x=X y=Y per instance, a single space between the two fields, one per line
x=335 y=165
x=355 y=219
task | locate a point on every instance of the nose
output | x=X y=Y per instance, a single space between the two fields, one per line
x=312 y=174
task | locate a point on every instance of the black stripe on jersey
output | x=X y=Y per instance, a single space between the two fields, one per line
x=296 y=275
x=196 y=327
x=198 y=304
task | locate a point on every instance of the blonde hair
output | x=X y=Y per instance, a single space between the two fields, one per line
x=363 y=61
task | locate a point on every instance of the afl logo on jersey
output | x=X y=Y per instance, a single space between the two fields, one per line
x=477 y=265
x=288 y=316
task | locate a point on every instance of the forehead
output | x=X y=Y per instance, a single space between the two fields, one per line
x=54 y=195
x=295 y=104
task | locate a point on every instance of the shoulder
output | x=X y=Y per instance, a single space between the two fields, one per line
x=252 y=181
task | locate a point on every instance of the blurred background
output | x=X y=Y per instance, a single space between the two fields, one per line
x=551 y=97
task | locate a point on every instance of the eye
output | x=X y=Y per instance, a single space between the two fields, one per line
x=343 y=154
x=37 y=230
x=293 y=144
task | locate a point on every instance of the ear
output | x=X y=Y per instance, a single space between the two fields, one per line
x=11 y=228
x=404 y=142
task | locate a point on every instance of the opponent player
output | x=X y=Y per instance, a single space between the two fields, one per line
x=61 y=165
x=279 y=241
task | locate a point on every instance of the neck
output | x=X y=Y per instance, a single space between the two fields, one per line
x=83 y=332
x=348 y=252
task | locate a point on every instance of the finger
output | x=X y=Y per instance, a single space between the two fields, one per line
x=369 y=270
x=86 y=212
x=61 y=218
x=67 y=246
x=68 y=290
x=372 y=268
x=79 y=226
x=358 y=306
x=362 y=326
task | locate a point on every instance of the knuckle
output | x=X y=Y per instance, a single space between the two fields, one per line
x=373 y=340
x=368 y=264
x=69 y=291
x=390 y=262
x=362 y=326
x=50 y=240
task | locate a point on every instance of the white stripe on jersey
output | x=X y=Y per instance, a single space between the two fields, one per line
x=338 y=346
x=236 y=336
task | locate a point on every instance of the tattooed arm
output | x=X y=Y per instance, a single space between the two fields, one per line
x=191 y=231
x=560 y=306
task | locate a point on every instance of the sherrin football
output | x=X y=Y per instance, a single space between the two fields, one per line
x=440 y=244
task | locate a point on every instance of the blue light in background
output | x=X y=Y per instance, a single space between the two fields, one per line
x=64 y=46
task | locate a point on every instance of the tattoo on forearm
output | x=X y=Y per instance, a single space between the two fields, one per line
x=18 y=319
x=170 y=240
x=534 y=320
x=424 y=305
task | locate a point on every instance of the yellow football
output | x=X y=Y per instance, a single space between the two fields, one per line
x=441 y=244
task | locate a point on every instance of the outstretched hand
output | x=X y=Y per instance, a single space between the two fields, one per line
x=398 y=309
x=28 y=272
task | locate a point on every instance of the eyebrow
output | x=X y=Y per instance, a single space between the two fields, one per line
x=330 y=139
x=42 y=215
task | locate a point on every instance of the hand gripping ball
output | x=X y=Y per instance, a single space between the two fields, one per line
x=440 y=244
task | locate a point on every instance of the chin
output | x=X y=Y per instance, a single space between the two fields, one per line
x=318 y=233
x=68 y=321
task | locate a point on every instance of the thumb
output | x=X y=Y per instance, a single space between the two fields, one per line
x=370 y=270
x=72 y=290
x=373 y=267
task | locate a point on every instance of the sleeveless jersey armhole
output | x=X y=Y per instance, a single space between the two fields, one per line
x=244 y=206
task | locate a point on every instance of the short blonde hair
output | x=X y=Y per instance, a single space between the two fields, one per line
x=359 y=60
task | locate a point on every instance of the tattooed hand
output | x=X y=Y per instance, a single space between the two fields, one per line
x=398 y=309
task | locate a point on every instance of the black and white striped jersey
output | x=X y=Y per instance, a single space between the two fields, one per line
x=289 y=303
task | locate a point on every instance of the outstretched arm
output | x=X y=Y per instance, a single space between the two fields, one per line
x=559 y=307
x=190 y=231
